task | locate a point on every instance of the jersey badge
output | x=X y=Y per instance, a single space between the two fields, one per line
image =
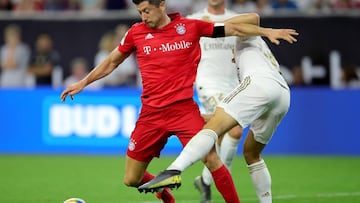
x=132 y=145
x=180 y=28
x=149 y=36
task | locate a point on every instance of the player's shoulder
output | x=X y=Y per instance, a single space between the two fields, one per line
x=138 y=25
x=191 y=20
x=197 y=15
x=230 y=13
x=137 y=28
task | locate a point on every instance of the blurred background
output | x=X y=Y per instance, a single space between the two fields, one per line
x=48 y=44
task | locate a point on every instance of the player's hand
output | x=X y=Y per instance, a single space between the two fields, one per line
x=274 y=35
x=72 y=90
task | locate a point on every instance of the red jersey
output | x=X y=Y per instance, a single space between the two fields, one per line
x=167 y=57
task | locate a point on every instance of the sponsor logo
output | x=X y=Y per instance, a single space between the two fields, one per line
x=174 y=46
x=84 y=123
x=102 y=121
x=217 y=46
x=147 y=50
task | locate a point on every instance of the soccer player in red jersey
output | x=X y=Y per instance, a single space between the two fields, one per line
x=168 y=52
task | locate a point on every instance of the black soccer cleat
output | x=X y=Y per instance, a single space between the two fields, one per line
x=205 y=190
x=166 y=179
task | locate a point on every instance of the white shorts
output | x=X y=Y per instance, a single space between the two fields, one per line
x=260 y=102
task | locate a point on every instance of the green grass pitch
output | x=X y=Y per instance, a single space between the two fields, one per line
x=98 y=179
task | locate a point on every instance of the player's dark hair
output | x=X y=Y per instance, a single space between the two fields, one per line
x=152 y=2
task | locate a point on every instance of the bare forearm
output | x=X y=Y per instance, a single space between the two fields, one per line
x=105 y=68
x=100 y=71
x=243 y=30
x=248 y=18
x=248 y=30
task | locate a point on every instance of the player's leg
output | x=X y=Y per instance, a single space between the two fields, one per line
x=221 y=176
x=145 y=143
x=204 y=187
x=184 y=122
x=135 y=172
x=201 y=144
x=220 y=173
x=197 y=148
x=209 y=99
x=259 y=136
x=259 y=173
x=227 y=151
x=229 y=145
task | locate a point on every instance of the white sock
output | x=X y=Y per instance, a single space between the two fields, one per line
x=206 y=176
x=197 y=148
x=226 y=152
x=228 y=149
x=261 y=179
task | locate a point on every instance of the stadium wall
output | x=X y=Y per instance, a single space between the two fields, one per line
x=319 y=36
x=321 y=121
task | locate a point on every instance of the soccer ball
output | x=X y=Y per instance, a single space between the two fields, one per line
x=74 y=200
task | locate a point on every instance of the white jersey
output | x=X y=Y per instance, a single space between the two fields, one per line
x=217 y=74
x=263 y=97
x=267 y=66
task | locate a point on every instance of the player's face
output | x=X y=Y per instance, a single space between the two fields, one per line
x=151 y=15
x=216 y=3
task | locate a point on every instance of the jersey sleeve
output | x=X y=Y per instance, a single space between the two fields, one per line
x=206 y=28
x=126 y=45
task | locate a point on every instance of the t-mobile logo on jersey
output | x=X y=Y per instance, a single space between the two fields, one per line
x=147 y=50
x=168 y=47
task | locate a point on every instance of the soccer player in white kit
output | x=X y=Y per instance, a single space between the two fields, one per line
x=260 y=101
x=216 y=77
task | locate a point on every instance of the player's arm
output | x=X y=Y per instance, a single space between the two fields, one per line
x=247 y=25
x=106 y=67
x=103 y=69
x=248 y=30
x=248 y=18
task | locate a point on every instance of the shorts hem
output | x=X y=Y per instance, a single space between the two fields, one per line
x=146 y=160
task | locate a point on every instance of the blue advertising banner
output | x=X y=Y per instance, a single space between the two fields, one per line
x=89 y=121
x=320 y=121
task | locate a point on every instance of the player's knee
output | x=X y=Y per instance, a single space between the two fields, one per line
x=236 y=132
x=212 y=161
x=131 y=182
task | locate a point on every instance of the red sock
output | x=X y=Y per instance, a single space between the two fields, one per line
x=147 y=177
x=225 y=184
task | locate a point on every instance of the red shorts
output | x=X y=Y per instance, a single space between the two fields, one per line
x=156 y=125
